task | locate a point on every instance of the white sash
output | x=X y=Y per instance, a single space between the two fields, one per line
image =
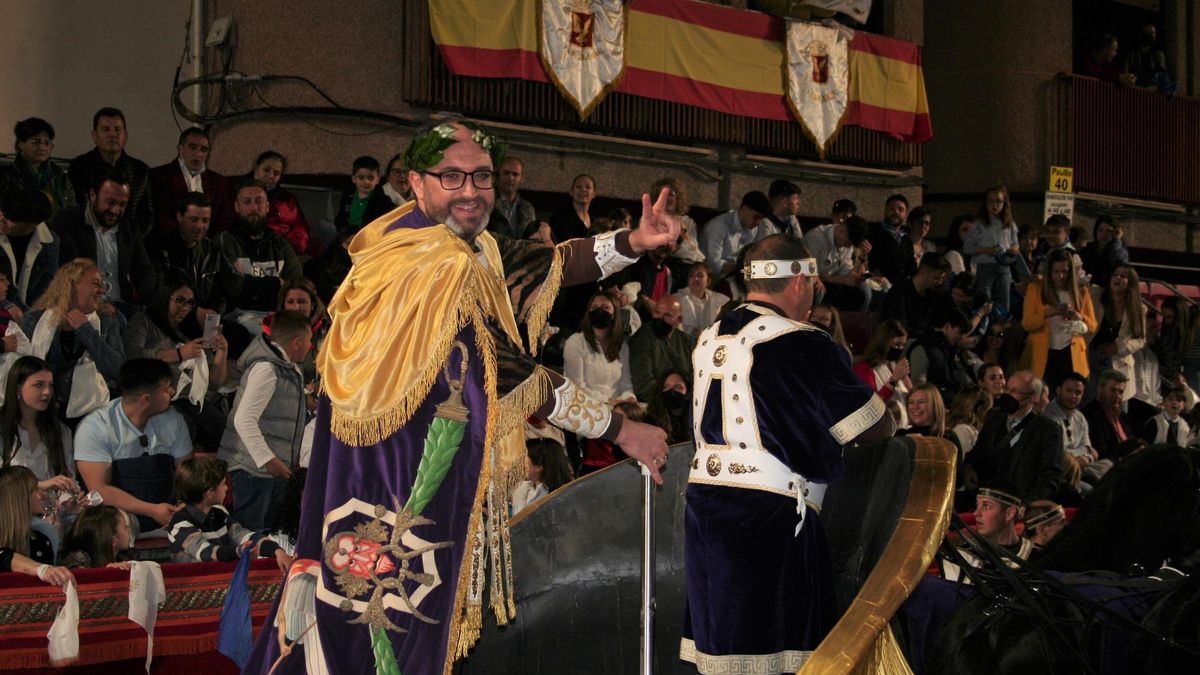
x=146 y=593
x=193 y=372
x=88 y=388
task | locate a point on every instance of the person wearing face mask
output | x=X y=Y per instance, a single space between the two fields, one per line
x=659 y=346
x=597 y=357
x=1018 y=444
x=826 y=317
x=883 y=365
x=671 y=408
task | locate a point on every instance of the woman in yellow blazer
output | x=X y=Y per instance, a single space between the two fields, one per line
x=1058 y=312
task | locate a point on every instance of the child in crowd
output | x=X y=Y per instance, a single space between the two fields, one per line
x=262 y=441
x=100 y=537
x=1169 y=426
x=547 y=471
x=364 y=173
x=20 y=501
x=202 y=531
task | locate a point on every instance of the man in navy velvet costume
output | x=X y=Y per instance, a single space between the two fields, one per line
x=775 y=401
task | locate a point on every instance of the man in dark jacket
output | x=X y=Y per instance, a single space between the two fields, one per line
x=187 y=252
x=110 y=135
x=1108 y=426
x=98 y=229
x=1020 y=445
x=262 y=259
x=888 y=256
x=189 y=172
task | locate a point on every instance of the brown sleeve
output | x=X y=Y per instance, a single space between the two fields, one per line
x=527 y=265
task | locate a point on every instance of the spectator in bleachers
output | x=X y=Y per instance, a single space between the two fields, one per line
x=785 y=206
x=395 y=181
x=574 y=224
x=913 y=301
x=935 y=358
x=384 y=196
x=660 y=346
x=652 y=272
x=597 y=357
x=701 y=306
x=1057 y=314
x=30 y=433
x=826 y=317
x=512 y=212
x=723 y=237
x=670 y=408
x=189 y=172
x=1058 y=236
x=32 y=168
x=300 y=295
x=262 y=260
x=1018 y=444
x=1169 y=426
x=99 y=537
x=678 y=204
x=99 y=230
x=1122 y=330
x=883 y=365
x=1100 y=62
x=357 y=201
x=128 y=449
x=1105 y=253
x=169 y=331
x=109 y=133
x=1082 y=462
x=959 y=228
x=972 y=305
x=203 y=531
x=919 y=222
x=927 y=415
x=966 y=415
x=622 y=219
x=993 y=247
x=1191 y=352
x=187 y=253
x=991 y=378
x=262 y=439
x=30 y=248
x=1174 y=335
x=546 y=471
x=284 y=215
x=1109 y=426
x=1147 y=63
x=1043 y=521
x=887 y=256
x=833 y=245
x=79 y=336
x=328 y=270
x=21 y=500
x=1028 y=259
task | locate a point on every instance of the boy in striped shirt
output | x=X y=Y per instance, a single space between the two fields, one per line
x=202 y=530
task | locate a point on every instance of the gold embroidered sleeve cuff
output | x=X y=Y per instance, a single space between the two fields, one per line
x=609 y=258
x=859 y=421
x=577 y=410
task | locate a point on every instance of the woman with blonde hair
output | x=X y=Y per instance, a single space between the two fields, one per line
x=927 y=414
x=20 y=499
x=993 y=246
x=967 y=412
x=1058 y=313
x=79 y=336
x=1122 y=330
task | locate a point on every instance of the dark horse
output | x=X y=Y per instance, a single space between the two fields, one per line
x=1142 y=519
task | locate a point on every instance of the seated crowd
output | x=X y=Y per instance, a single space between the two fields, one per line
x=161 y=328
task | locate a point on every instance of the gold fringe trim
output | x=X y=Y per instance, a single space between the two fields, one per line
x=885 y=657
x=539 y=312
x=521 y=402
x=360 y=432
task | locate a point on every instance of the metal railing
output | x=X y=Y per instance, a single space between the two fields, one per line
x=1126 y=141
x=428 y=83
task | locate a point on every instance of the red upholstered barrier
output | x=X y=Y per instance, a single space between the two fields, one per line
x=187 y=619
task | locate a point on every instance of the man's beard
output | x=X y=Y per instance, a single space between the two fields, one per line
x=254 y=225
x=463 y=230
x=102 y=219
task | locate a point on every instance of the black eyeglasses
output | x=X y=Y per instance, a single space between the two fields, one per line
x=454 y=180
x=144 y=441
x=182 y=301
x=999 y=336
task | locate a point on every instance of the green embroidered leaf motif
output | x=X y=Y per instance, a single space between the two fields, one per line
x=385 y=658
x=441 y=444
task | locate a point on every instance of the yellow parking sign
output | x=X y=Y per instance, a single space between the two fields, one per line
x=1062 y=179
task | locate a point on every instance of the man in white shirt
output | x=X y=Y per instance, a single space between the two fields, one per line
x=722 y=237
x=833 y=244
x=701 y=306
x=129 y=448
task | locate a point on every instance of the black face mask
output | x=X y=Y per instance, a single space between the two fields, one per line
x=820 y=325
x=674 y=400
x=660 y=328
x=600 y=319
x=894 y=353
x=1008 y=404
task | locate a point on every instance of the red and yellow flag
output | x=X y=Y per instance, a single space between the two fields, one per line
x=708 y=56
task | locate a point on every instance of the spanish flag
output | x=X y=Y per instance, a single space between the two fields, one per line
x=708 y=56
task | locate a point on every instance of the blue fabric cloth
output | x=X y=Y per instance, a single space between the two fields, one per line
x=753 y=586
x=236 y=634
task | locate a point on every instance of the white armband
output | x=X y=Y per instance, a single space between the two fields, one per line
x=608 y=258
x=578 y=411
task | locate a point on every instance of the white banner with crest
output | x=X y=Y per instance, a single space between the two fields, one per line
x=818 y=78
x=582 y=45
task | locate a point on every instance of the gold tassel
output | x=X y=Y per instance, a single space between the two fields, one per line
x=506 y=538
x=539 y=313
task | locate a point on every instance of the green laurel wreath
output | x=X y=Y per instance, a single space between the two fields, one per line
x=428 y=149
